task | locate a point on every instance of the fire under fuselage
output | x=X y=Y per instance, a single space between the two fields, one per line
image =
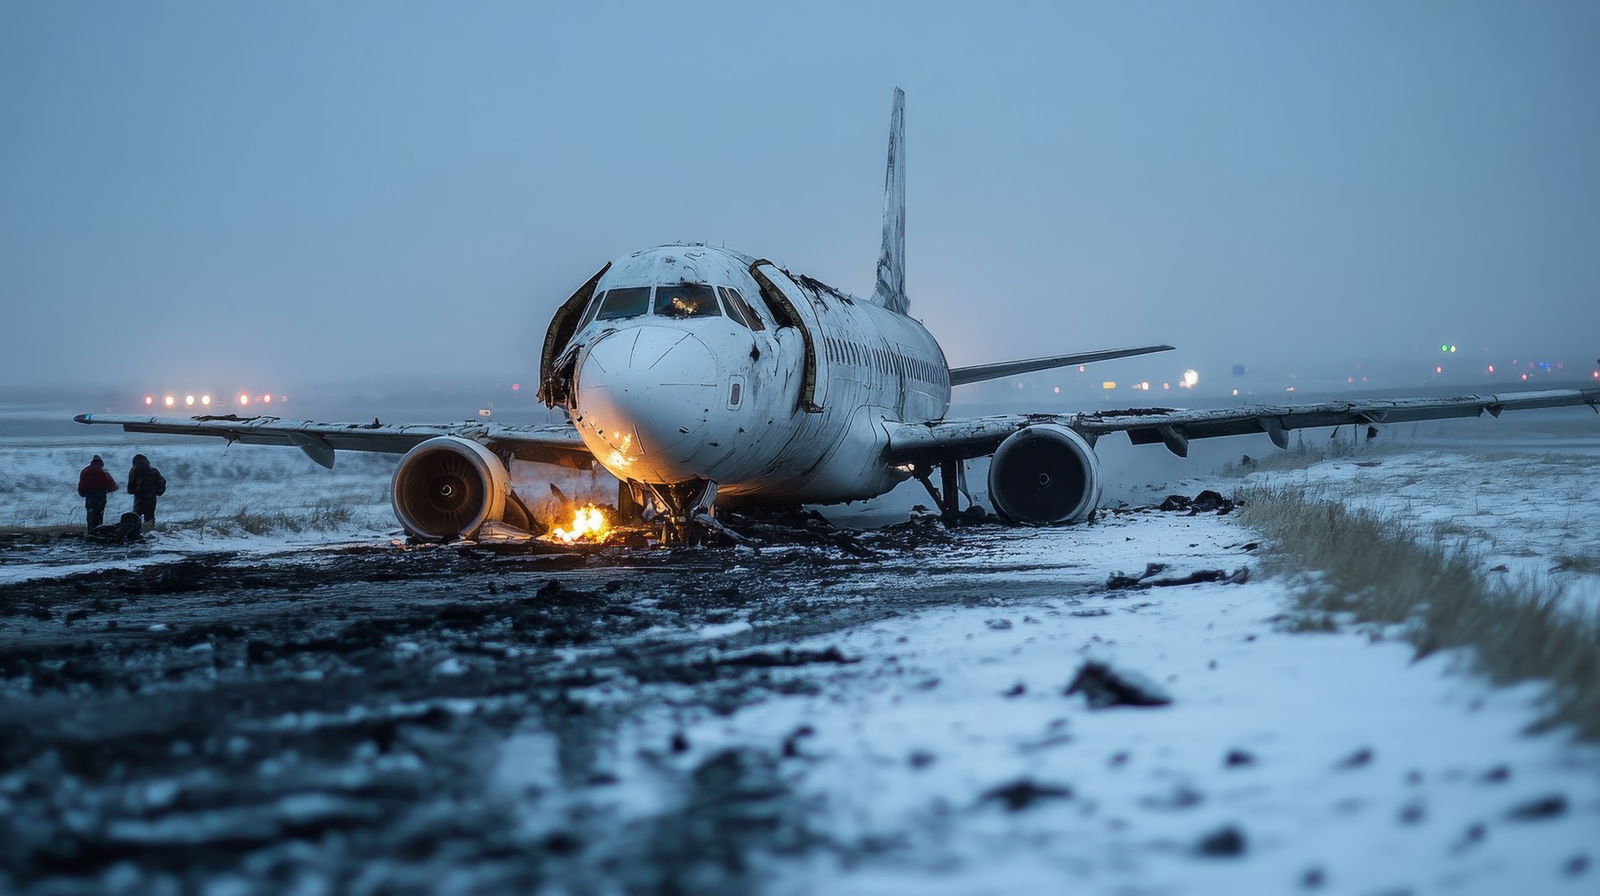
x=698 y=363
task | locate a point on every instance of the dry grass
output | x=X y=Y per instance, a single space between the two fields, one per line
x=1378 y=569
x=321 y=517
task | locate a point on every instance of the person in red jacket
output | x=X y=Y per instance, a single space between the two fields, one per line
x=94 y=483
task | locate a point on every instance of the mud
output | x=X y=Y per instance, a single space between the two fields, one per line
x=336 y=720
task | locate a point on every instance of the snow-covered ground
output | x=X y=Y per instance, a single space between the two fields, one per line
x=250 y=498
x=1530 y=515
x=1353 y=766
x=947 y=759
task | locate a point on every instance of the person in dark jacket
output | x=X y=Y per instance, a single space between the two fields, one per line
x=145 y=484
x=94 y=483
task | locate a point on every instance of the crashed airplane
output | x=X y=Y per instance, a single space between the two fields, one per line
x=692 y=373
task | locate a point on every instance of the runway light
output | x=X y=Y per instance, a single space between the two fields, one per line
x=266 y=399
x=1236 y=391
x=1438 y=369
x=1290 y=389
x=1190 y=379
x=1108 y=385
x=1349 y=379
x=188 y=400
x=1082 y=368
x=243 y=398
x=1491 y=368
x=149 y=399
x=516 y=387
x=205 y=400
x=1057 y=390
x=1524 y=377
x=170 y=401
x=1167 y=387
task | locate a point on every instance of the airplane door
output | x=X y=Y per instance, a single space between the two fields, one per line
x=792 y=308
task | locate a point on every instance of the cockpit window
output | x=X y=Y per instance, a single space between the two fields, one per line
x=594 y=308
x=630 y=301
x=687 y=300
x=738 y=310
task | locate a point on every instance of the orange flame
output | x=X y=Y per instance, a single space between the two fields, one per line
x=588 y=524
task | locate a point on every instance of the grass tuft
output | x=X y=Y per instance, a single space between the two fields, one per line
x=1380 y=569
x=320 y=517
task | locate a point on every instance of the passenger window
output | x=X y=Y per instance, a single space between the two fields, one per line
x=687 y=300
x=631 y=301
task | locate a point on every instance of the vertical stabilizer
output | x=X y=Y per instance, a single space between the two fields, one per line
x=891 y=289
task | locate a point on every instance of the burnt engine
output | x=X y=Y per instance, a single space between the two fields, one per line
x=1045 y=474
x=449 y=487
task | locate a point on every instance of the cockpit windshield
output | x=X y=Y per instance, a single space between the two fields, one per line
x=687 y=300
x=630 y=301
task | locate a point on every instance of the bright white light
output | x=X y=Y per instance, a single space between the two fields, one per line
x=188 y=400
x=243 y=398
x=1058 y=390
x=149 y=399
x=205 y=400
x=1236 y=391
x=1190 y=379
x=171 y=401
x=267 y=399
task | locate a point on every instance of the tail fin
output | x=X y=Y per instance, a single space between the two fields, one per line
x=891 y=289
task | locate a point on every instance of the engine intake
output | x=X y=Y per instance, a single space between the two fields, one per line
x=1045 y=474
x=447 y=487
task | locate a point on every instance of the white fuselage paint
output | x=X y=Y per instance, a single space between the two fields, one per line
x=654 y=397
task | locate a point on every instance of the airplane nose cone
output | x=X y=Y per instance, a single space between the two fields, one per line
x=644 y=392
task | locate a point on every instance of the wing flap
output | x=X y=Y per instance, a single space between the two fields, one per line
x=971 y=437
x=550 y=443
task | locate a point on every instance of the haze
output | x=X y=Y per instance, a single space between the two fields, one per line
x=286 y=193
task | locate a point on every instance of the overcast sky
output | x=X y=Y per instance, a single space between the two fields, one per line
x=245 y=192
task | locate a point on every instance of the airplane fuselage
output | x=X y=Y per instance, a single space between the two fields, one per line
x=669 y=382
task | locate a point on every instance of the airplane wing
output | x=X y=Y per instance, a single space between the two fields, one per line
x=959 y=439
x=960 y=376
x=549 y=443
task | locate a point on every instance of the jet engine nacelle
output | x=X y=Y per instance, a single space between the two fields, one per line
x=447 y=487
x=1045 y=474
